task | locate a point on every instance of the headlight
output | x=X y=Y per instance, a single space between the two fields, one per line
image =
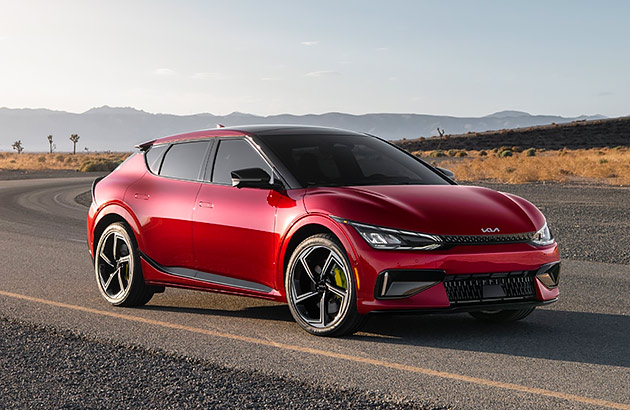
x=543 y=236
x=386 y=238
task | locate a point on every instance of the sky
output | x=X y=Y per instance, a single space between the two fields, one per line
x=459 y=58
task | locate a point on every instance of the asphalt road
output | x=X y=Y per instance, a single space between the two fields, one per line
x=61 y=345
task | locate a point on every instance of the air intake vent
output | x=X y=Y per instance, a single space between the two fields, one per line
x=486 y=239
x=490 y=287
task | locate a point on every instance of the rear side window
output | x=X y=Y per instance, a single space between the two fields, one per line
x=184 y=160
x=234 y=155
x=154 y=157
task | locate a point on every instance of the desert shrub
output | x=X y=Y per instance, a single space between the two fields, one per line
x=60 y=158
x=461 y=154
x=12 y=161
x=483 y=153
x=452 y=152
x=41 y=159
x=2 y=156
x=505 y=153
x=103 y=166
x=510 y=170
x=437 y=153
x=601 y=153
x=530 y=152
x=603 y=161
x=517 y=149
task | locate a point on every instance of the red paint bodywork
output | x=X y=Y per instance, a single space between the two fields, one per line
x=244 y=233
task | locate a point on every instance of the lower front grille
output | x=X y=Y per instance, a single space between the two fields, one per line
x=490 y=287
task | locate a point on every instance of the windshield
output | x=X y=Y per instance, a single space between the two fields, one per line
x=348 y=160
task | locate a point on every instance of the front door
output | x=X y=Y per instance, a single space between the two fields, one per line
x=233 y=229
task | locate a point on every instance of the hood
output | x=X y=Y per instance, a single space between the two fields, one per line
x=436 y=209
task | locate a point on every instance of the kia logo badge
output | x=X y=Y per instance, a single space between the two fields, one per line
x=489 y=230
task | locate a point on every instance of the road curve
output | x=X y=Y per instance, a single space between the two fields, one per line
x=573 y=354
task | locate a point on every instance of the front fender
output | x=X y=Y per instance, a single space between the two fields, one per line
x=312 y=219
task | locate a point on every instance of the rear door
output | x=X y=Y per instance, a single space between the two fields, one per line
x=234 y=228
x=163 y=200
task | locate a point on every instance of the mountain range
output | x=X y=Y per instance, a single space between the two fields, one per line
x=120 y=128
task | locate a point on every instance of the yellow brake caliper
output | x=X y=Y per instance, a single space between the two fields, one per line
x=340 y=278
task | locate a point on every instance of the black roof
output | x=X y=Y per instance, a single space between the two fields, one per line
x=289 y=129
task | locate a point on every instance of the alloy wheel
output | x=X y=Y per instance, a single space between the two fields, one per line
x=114 y=266
x=320 y=286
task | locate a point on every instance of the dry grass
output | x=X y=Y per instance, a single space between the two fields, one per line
x=78 y=162
x=605 y=165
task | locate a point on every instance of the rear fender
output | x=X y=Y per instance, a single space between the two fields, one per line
x=119 y=209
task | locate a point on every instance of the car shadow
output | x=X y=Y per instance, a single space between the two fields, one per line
x=546 y=334
x=582 y=337
x=274 y=312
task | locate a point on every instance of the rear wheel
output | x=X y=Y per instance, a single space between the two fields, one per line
x=502 y=315
x=320 y=288
x=118 y=270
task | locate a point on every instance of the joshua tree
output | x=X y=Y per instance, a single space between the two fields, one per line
x=87 y=150
x=50 y=143
x=17 y=145
x=74 y=138
x=441 y=132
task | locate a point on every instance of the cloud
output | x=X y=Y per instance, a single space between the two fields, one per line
x=3 y=38
x=210 y=76
x=309 y=43
x=605 y=94
x=269 y=79
x=324 y=73
x=381 y=49
x=164 y=72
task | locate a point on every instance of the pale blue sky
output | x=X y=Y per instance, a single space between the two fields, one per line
x=461 y=58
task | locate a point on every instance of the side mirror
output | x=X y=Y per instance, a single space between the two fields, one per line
x=446 y=172
x=252 y=178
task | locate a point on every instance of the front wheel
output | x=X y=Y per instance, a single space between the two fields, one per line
x=320 y=288
x=502 y=315
x=118 y=270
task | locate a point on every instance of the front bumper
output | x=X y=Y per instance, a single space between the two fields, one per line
x=463 y=278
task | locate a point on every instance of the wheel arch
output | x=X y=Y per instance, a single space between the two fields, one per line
x=110 y=214
x=302 y=229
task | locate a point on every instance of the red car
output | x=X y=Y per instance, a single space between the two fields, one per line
x=337 y=224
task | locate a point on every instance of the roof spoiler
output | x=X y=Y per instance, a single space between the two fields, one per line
x=145 y=145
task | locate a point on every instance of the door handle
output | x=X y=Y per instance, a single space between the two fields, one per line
x=141 y=196
x=204 y=204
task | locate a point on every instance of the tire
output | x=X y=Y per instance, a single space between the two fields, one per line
x=321 y=289
x=118 y=270
x=501 y=316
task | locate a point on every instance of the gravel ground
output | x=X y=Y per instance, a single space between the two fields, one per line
x=590 y=222
x=46 y=368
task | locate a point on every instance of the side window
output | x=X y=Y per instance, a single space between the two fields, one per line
x=235 y=154
x=184 y=160
x=154 y=157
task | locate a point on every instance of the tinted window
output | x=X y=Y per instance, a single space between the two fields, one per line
x=235 y=154
x=154 y=157
x=346 y=160
x=184 y=160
